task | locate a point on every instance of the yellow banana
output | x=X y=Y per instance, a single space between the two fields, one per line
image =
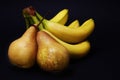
x=75 y=50
x=61 y=17
x=70 y=35
x=74 y=24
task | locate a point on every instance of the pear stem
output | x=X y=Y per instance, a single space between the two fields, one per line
x=36 y=26
x=35 y=17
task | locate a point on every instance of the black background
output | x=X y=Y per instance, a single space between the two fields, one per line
x=97 y=65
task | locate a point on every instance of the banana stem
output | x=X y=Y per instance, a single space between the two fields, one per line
x=38 y=16
x=31 y=20
x=42 y=19
x=27 y=23
x=33 y=17
x=28 y=20
x=38 y=22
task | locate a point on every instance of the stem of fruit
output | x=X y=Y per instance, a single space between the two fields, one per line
x=43 y=21
x=31 y=18
x=26 y=21
x=29 y=21
x=39 y=24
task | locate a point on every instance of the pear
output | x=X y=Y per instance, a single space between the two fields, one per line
x=51 y=55
x=22 y=51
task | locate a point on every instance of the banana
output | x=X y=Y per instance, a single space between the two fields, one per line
x=67 y=34
x=61 y=17
x=76 y=50
x=74 y=24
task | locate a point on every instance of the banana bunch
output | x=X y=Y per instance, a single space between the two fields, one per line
x=73 y=36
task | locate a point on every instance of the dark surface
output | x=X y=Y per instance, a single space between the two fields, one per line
x=104 y=40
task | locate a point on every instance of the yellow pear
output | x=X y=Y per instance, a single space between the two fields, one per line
x=51 y=55
x=22 y=51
